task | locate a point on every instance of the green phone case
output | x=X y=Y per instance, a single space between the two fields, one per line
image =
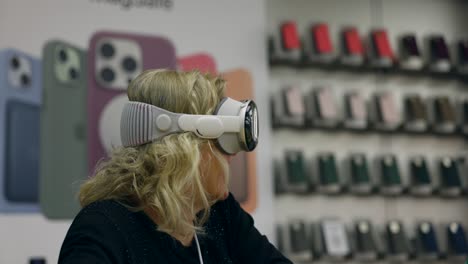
x=449 y=173
x=359 y=170
x=390 y=171
x=295 y=167
x=420 y=172
x=63 y=130
x=327 y=169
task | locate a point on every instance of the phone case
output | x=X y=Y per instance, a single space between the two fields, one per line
x=356 y=107
x=456 y=240
x=356 y=115
x=325 y=104
x=290 y=39
x=381 y=44
x=284 y=44
x=419 y=171
x=243 y=182
x=335 y=239
x=322 y=40
x=427 y=243
x=293 y=101
x=464 y=116
x=397 y=241
x=390 y=176
x=327 y=169
x=450 y=180
x=353 y=49
x=299 y=244
x=365 y=243
x=444 y=111
x=279 y=232
x=203 y=62
x=295 y=168
x=298 y=236
x=420 y=176
x=328 y=174
x=288 y=107
x=416 y=113
x=439 y=54
x=462 y=57
x=20 y=101
x=386 y=114
x=107 y=90
x=410 y=46
x=382 y=55
x=388 y=109
x=390 y=171
x=410 y=53
x=63 y=129
x=359 y=170
x=439 y=49
x=352 y=42
x=444 y=115
x=361 y=182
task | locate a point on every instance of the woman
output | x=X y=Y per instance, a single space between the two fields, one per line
x=164 y=198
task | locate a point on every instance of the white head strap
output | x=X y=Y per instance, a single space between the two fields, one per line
x=142 y=123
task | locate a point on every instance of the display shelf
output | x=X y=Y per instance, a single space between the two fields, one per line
x=420 y=17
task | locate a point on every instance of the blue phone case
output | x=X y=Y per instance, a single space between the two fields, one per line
x=19 y=132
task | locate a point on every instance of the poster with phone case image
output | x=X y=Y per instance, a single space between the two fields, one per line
x=114 y=59
x=20 y=100
x=63 y=148
x=243 y=180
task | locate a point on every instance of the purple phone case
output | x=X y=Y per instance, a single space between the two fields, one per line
x=157 y=52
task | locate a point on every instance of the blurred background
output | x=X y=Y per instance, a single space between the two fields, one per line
x=363 y=116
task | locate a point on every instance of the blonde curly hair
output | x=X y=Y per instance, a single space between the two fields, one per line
x=168 y=175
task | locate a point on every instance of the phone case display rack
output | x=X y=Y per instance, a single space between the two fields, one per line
x=369 y=116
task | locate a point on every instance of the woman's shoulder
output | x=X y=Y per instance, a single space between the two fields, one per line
x=101 y=224
x=230 y=201
x=105 y=211
x=104 y=206
x=226 y=208
x=105 y=220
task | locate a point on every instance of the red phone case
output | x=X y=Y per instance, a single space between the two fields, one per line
x=382 y=45
x=353 y=43
x=322 y=41
x=243 y=166
x=289 y=36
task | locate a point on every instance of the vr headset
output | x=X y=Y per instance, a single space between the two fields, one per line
x=234 y=125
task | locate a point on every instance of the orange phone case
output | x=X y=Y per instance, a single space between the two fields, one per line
x=244 y=186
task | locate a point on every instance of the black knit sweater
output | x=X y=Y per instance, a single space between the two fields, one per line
x=107 y=232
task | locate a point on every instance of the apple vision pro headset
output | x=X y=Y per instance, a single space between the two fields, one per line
x=234 y=124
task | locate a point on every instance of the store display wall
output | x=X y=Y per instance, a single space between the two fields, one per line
x=423 y=18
